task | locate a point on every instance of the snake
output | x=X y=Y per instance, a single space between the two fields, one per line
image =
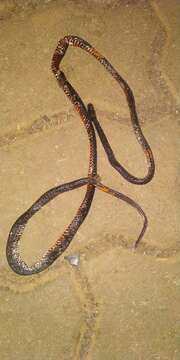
x=92 y=181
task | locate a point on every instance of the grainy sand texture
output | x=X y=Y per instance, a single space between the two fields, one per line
x=118 y=304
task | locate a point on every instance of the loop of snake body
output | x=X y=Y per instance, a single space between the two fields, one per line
x=89 y=119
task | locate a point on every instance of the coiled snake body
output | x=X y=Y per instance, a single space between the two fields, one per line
x=89 y=119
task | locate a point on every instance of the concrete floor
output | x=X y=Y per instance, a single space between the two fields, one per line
x=119 y=304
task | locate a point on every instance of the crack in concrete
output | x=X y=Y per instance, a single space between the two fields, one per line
x=165 y=29
x=90 y=309
x=43 y=123
x=156 y=73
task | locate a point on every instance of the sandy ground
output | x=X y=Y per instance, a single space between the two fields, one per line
x=118 y=304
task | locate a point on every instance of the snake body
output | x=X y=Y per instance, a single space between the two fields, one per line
x=89 y=119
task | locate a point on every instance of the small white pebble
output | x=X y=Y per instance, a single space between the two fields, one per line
x=73 y=259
